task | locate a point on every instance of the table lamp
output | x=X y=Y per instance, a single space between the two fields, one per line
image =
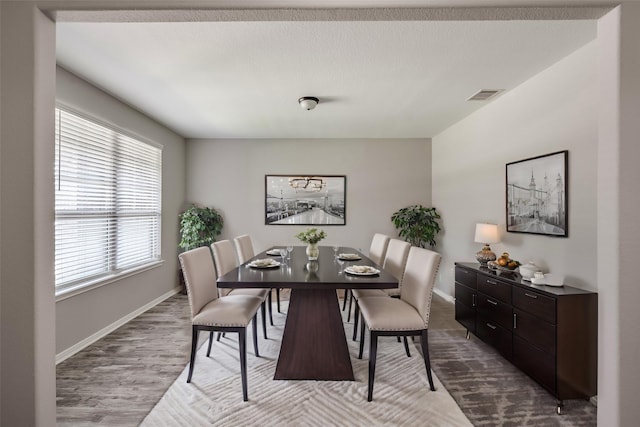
x=486 y=233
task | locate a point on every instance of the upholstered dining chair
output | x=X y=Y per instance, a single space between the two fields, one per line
x=224 y=255
x=377 y=252
x=244 y=249
x=209 y=312
x=395 y=261
x=404 y=316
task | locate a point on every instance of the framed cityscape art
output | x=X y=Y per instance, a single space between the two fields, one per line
x=305 y=199
x=536 y=199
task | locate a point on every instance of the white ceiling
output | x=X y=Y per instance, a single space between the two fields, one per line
x=374 y=78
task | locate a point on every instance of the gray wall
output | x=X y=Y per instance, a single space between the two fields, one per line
x=382 y=177
x=84 y=315
x=553 y=111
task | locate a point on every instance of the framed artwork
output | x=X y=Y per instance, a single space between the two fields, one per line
x=537 y=195
x=305 y=199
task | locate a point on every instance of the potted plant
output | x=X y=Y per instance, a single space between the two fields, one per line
x=199 y=226
x=417 y=225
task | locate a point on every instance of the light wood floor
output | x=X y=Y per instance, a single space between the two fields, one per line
x=117 y=380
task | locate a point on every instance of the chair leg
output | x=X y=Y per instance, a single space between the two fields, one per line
x=349 y=309
x=210 y=342
x=424 y=341
x=344 y=299
x=361 y=339
x=219 y=335
x=263 y=309
x=373 y=350
x=406 y=347
x=194 y=345
x=242 y=340
x=255 y=335
x=278 y=299
x=270 y=308
x=356 y=314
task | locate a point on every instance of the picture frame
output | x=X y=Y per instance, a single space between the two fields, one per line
x=537 y=195
x=305 y=199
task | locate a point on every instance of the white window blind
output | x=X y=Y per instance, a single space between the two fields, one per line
x=107 y=202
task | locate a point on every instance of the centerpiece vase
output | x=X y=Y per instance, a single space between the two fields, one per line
x=312 y=251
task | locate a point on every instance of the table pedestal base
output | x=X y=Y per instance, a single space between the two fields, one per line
x=314 y=349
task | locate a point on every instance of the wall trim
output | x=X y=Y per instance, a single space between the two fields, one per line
x=444 y=295
x=65 y=354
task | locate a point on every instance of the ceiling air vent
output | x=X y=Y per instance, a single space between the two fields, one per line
x=484 y=94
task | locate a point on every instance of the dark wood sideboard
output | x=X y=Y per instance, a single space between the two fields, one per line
x=550 y=333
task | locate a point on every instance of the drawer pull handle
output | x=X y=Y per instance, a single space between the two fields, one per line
x=531 y=296
x=491 y=326
x=473 y=300
x=492 y=302
x=515 y=322
x=491 y=281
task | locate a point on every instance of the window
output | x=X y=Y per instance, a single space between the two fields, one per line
x=107 y=202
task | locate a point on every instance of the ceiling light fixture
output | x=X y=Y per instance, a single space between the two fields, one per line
x=308 y=102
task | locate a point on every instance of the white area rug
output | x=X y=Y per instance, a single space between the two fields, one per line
x=214 y=397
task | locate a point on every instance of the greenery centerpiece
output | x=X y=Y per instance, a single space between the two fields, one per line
x=417 y=225
x=311 y=236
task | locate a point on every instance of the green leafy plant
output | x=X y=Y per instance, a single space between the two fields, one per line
x=199 y=226
x=311 y=235
x=417 y=225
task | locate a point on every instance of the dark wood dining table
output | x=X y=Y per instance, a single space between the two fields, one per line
x=314 y=345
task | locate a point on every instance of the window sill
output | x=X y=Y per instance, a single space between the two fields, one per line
x=89 y=286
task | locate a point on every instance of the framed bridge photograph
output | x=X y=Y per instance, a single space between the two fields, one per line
x=536 y=200
x=305 y=199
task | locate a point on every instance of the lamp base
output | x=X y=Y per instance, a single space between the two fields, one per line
x=485 y=255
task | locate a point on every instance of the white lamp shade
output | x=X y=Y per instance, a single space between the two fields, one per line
x=487 y=233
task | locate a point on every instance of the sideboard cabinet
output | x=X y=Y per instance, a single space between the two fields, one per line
x=550 y=333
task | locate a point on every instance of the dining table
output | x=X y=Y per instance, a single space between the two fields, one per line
x=314 y=344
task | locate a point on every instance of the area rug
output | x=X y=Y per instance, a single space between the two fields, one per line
x=214 y=396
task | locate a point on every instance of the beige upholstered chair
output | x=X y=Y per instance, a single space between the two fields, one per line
x=224 y=255
x=406 y=316
x=395 y=261
x=377 y=252
x=211 y=313
x=244 y=248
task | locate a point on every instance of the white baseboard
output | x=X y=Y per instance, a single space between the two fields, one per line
x=65 y=354
x=441 y=294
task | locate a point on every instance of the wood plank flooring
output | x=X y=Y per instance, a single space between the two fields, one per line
x=119 y=379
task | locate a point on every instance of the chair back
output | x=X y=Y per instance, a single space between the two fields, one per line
x=199 y=277
x=396 y=258
x=378 y=248
x=419 y=279
x=244 y=248
x=224 y=255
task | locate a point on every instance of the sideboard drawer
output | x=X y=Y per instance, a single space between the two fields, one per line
x=494 y=335
x=495 y=310
x=494 y=288
x=538 y=332
x=535 y=303
x=538 y=364
x=466 y=277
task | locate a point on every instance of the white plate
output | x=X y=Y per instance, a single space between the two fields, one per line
x=264 y=263
x=362 y=270
x=349 y=257
x=275 y=252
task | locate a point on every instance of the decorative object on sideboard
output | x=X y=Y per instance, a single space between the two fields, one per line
x=487 y=234
x=528 y=270
x=537 y=195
